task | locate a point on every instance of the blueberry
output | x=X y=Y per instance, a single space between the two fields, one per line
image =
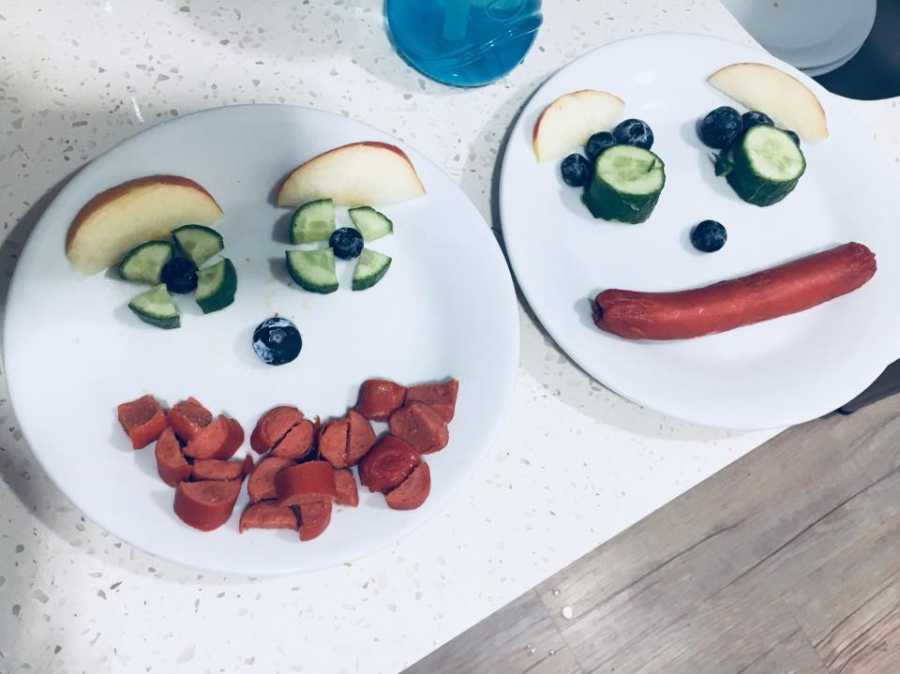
x=576 y=170
x=634 y=132
x=180 y=275
x=794 y=136
x=597 y=143
x=346 y=242
x=709 y=236
x=277 y=341
x=720 y=128
x=755 y=118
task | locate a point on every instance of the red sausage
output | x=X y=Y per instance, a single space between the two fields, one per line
x=217 y=469
x=345 y=486
x=298 y=441
x=170 y=462
x=210 y=441
x=233 y=441
x=272 y=426
x=420 y=426
x=206 y=505
x=441 y=396
x=143 y=420
x=360 y=438
x=188 y=418
x=267 y=515
x=333 y=439
x=388 y=463
x=314 y=519
x=261 y=484
x=726 y=305
x=305 y=483
x=413 y=491
x=378 y=398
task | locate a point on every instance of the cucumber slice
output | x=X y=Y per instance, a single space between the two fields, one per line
x=766 y=165
x=156 y=307
x=626 y=185
x=313 y=221
x=216 y=286
x=313 y=270
x=370 y=223
x=370 y=269
x=198 y=243
x=144 y=263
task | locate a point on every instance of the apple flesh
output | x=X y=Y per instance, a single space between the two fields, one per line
x=782 y=97
x=566 y=124
x=117 y=220
x=360 y=174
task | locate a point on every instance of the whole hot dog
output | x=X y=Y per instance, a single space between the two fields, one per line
x=726 y=305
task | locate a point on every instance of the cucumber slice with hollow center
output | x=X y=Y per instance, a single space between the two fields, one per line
x=766 y=165
x=313 y=221
x=370 y=223
x=157 y=308
x=144 y=263
x=198 y=243
x=313 y=270
x=370 y=269
x=216 y=286
x=626 y=185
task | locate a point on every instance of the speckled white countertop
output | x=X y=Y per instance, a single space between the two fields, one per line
x=575 y=465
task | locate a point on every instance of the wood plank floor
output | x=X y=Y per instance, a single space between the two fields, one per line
x=786 y=561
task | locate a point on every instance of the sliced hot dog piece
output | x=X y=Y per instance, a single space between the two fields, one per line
x=267 y=515
x=378 y=398
x=272 y=426
x=261 y=485
x=421 y=426
x=233 y=441
x=792 y=287
x=188 y=418
x=143 y=420
x=170 y=462
x=298 y=441
x=305 y=483
x=217 y=469
x=314 y=519
x=413 y=491
x=333 y=442
x=387 y=464
x=345 y=486
x=441 y=396
x=210 y=441
x=206 y=505
x=360 y=438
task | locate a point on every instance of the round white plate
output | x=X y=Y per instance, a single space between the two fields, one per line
x=771 y=374
x=830 y=67
x=73 y=350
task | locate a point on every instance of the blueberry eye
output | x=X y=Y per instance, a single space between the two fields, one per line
x=277 y=341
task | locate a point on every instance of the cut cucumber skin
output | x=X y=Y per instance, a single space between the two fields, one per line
x=312 y=222
x=372 y=224
x=206 y=241
x=136 y=265
x=745 y=179
x=223 y=294
x=369 y=280
x=606 y=202
x=311 y=286
x=167 y=321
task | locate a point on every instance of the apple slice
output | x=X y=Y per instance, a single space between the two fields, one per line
x=359 y=174
x=117 y=220
x=781 y=96
x=568 y=122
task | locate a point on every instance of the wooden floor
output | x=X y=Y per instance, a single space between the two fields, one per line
x=786 y=561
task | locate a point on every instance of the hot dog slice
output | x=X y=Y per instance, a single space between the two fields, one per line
x=261 y=485
x=233 y=441
x=333 y=442
x=314 y=519
x=272 y=426
x=206 y=505
x=441 y=396
x=768 y=294
x=143 y=420
x=360 y=438
x=378 y=398
x=170 y=462
x=305 y=483
x=267 y=515
x=210 y=441
x=217 y=469
x=421 y=426
x=188 y=418
x=413 y=491
x=345 y=487
x=298 y=441
x=387 y=464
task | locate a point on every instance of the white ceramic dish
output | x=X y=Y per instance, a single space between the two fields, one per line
x=830 y=67
x=73 y=350
x=772 y=374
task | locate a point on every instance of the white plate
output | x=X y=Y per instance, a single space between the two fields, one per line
x=769 y=375
x=830 y=67
x=73 y=351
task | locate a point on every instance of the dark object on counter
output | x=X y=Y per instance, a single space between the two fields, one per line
x=887 y=384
